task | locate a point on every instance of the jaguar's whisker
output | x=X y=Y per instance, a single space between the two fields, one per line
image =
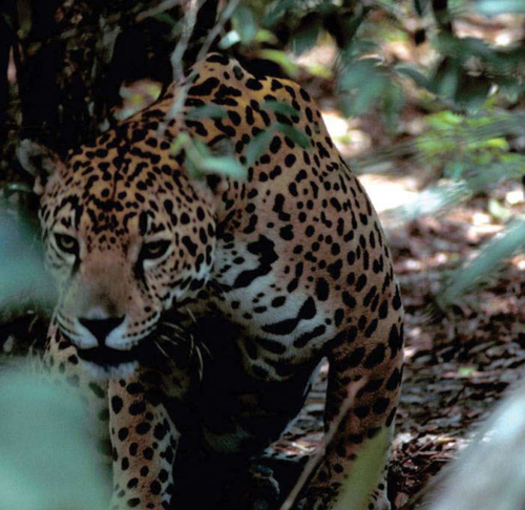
x=162 y=350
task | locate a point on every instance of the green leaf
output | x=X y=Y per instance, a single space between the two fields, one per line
x=357 y=488
x=179 y=142
x=229 y=166
x=276 y=11
x=281 y=58
x=420 y=6
x=165 y=18
x=265 y=36
x=415 y=75
x=444 y=120
x=294 y=134
x=306 y=36
x=466 y=371
x=200 y=159
x=454 y=170
x=447 y=79
x=231 y=38
x=258 y=144
x=16 y=187
x=356 y=73
x=245 y=24
x=498 y=211
x=429 y=202
x=280 y=107
x=393 y=102
x=49 y=457
x=492 y=254
x=207 y=111
x=359 y=99
x=23 y=277
x=493 y=7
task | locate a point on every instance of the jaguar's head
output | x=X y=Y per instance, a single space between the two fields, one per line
x=127 y=235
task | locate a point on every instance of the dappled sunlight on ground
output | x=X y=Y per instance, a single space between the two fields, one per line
x=349 y=139
x=388 y=191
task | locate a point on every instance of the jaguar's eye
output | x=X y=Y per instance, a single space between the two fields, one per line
x=155 y=249
x=67 y=243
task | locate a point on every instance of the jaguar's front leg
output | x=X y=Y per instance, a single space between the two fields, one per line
x=130 y=416
x=144 y=442
x=363 y=387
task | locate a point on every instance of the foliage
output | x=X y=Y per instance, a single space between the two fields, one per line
x=471 y=273
x=495 y=456
x=23 y=279
x=470 y=155
x=463 y=74
x=47 y=456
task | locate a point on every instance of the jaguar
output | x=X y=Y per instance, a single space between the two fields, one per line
x=195 y=307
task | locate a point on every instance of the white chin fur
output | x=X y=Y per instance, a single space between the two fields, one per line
x=122 y=371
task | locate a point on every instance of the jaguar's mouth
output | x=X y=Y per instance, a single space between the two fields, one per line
x=108 y=357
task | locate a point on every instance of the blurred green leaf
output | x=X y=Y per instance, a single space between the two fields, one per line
x=266 y=36
x=294 y=134
x=493 y=7
x=48 y=458
x=447 y=78
x=429 y=202
x=228 y=166
x=207 y=111
x=306 y=36
x=165 y=18
x=276 y=11
x=356 y=98
x=281 y=58
x=201 y=160
x=498 y=210
x=280 y=107
x=25 y=12
x=393 y=102
x=16 y=187
x=245 y=24
x=491 y=256
x=466 y=371
x=23 y=277
x=414 y=74
x=365 y=473
x=420 y=6
x=231 y=38
x=257 y=145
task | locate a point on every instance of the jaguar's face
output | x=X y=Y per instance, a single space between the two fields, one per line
x=125 y=243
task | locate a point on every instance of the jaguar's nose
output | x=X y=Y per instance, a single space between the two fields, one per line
x=101 y=328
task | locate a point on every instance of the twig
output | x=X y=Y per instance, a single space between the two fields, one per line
x=182 y=45
x=159 y=9
x=177 y=56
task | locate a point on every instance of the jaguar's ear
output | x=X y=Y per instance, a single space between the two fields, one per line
x=39 y=161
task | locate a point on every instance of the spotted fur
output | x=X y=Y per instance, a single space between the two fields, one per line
x=193 y=312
